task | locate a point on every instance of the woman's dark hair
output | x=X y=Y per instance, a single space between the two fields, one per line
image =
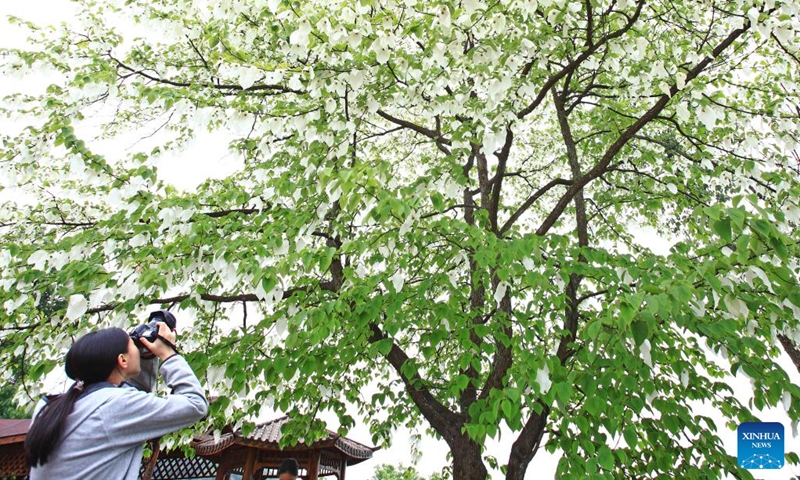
x=289 y=466
x=90 y=360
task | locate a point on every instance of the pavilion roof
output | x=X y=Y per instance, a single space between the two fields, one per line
x=267 y=436
x=13 y=431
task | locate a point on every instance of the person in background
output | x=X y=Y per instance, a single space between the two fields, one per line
x=288 y=470
x=97 y=429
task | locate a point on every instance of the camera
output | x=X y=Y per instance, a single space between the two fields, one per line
x=149 y=330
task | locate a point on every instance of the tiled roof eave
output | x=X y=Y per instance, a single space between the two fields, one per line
x=210 y=447
x=353 y=449
x=318 y=445
x=267 y=436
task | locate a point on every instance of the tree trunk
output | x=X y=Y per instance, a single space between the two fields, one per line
x=527 y=444
x=467 y=461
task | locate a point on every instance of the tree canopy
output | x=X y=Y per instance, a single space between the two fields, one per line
x=436 y=215
x=399 y=472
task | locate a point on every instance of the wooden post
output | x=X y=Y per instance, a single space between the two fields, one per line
x=313 y=465
x=221 y=472
x=344 y=468
x=249 y=464
x=224 y=467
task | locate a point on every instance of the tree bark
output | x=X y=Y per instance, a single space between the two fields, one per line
x=791 y=350
x=527 y=444
x=467 y=461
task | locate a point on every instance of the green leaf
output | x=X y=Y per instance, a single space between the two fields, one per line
x=563 y=391
x=631 y=438
x=723 y=229
x=593 y=328
x=438 y=201
x=309 y=366
x=605 y=458
x=713 y=211
x=268 y=283
x=780 y=248
x=384 y=346
x=508 y=409
x=594 y=405
x=626 y=312
x=325 y=261
x=762 y=227
x=738 y=216
x=641 y=331
x=279 y=364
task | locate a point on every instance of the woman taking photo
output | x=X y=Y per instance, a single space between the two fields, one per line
x=97 y=429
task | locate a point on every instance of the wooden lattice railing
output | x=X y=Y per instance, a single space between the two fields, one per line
x=180 y=467
x=12 y=462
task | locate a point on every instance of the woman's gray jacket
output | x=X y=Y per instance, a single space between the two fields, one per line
x=103 y=437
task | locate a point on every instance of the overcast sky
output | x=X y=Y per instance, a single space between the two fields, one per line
x=210 y=158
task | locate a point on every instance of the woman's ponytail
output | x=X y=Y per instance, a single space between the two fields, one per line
x=45 y=431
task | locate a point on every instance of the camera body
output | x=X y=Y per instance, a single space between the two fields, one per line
x=149 y=330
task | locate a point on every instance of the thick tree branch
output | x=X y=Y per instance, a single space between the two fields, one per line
x=441 y=141
x=223 y=213
x=530 y=201
x=446 y=422
x=575 y=168
x=476 y=294
x=573 y=65
x=527 y=443
x=329 y=286
x=571 y=309
x=20 y=328
x=785 y=50
x=164 y=81
x=589 y=24
x=502 y=360
x=791 y=350
x=497 y=185
x=631 y=131
x=483 y=180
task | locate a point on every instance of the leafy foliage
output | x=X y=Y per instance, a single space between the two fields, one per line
x=440 y=203
x=399 y=472
x=9 y=408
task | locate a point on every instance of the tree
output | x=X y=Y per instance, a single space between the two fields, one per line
x=391 y=472
x=438 y=201
x=8 y=404
x=8 y=408
x=14 y=363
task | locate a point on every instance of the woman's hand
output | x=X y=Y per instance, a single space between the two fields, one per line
x=159 y=348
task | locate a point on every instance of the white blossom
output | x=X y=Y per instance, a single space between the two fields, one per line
x=39 y=259
x=300 y=36
x=644 y=349
x=398 y=280
x=77 y=306
x=500 y=292
x=543 y=379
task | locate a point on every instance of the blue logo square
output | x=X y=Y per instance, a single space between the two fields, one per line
x=761 y=445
